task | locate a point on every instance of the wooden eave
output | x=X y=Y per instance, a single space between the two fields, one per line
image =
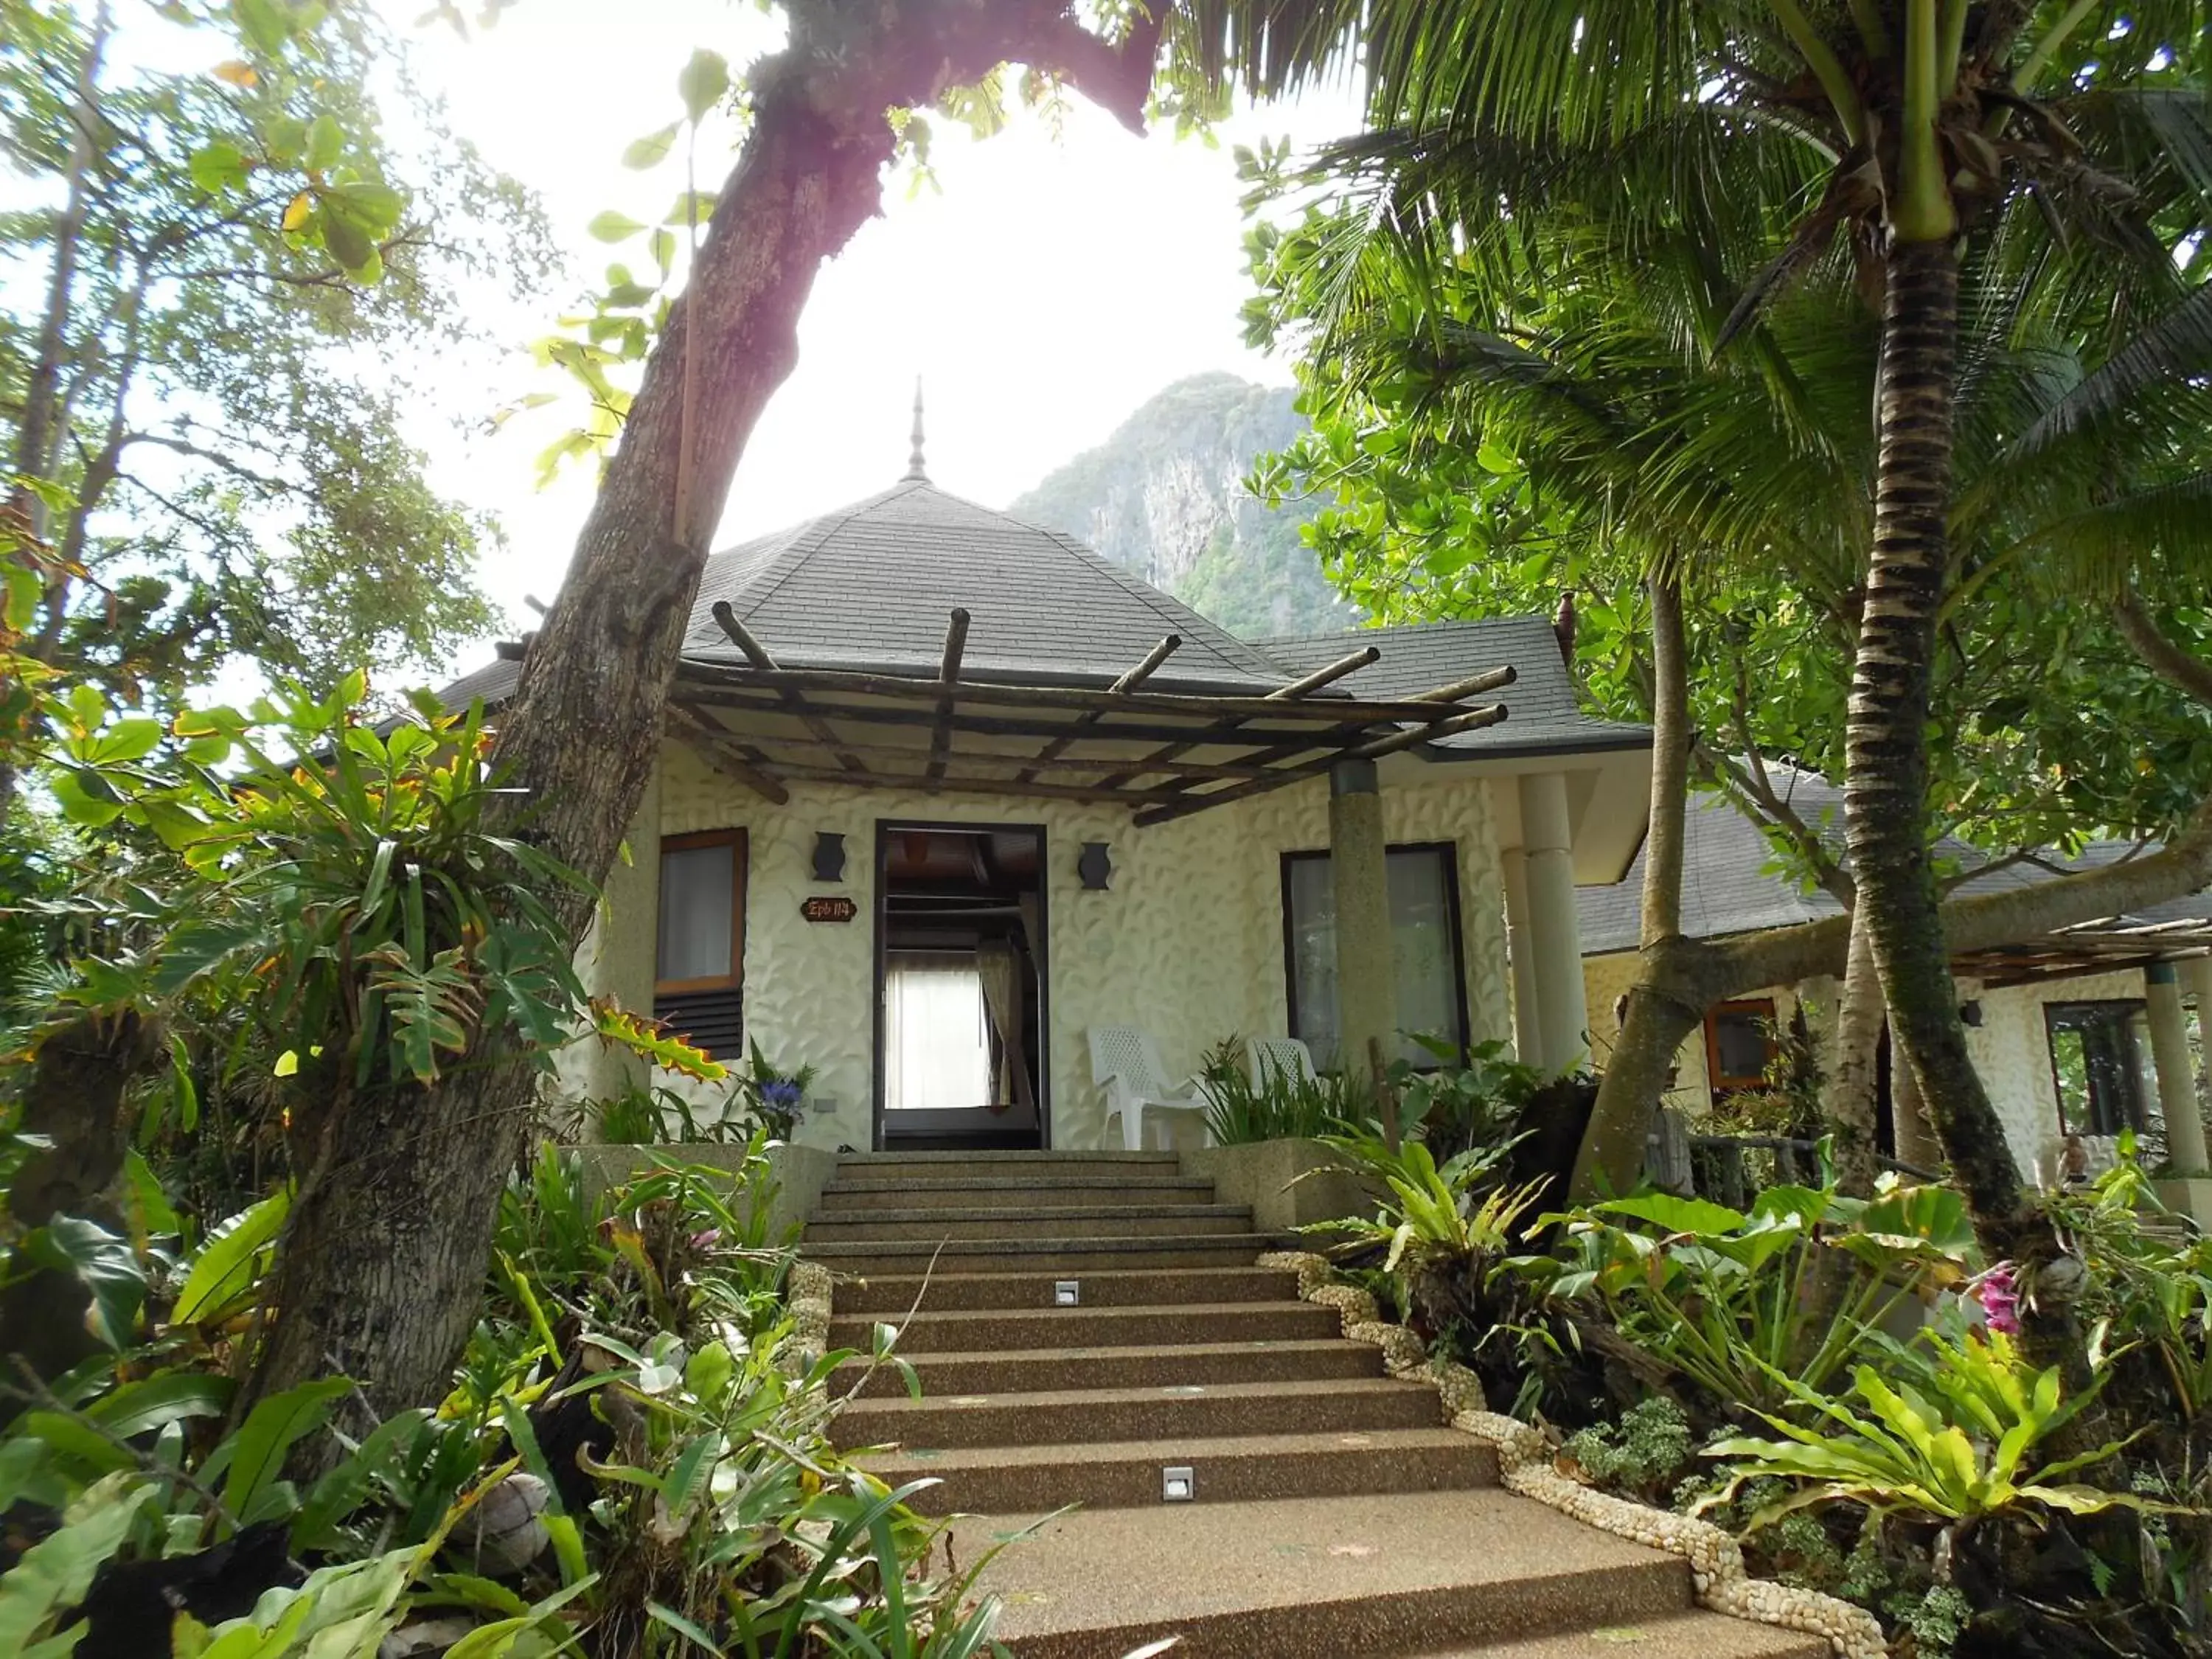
x=1164 y=755
x=2110 y=946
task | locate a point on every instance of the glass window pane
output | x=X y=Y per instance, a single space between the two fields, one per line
x=1425 y=950
x=1740 y=1041
x=1313 y=958
x=1424 y=947
x=697 y=894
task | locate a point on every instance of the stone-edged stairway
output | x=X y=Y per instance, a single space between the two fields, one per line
x=1332 y=1513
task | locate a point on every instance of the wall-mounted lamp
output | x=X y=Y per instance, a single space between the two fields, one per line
x=1970 y=1013
x=1095 y=866
x=829 y=856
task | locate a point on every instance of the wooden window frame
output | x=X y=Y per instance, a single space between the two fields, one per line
x=739 y=854
x=1449 y=853
x=1716 y=1081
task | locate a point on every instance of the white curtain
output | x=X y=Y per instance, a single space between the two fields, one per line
x=1000 y=968
x=935 y=1052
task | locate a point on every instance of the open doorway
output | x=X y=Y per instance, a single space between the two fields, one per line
x=960 y=986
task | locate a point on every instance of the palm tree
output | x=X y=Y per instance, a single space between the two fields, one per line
x=1768 y=134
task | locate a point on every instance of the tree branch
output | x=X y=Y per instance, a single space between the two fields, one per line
x=2191 y=673
x=1117 y=77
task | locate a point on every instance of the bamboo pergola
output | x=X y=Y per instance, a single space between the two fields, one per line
x=2106 y=945
x=1164 y=755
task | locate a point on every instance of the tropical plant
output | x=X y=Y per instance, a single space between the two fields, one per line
x=771 y=1096
x=1878 y=137
x=1964 y=1457
x=1460 y=1104
x=1280 y=1104
x=1725 y=1299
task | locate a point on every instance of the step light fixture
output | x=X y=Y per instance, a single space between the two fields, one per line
x=1178 y=1484
x=1066 y=1292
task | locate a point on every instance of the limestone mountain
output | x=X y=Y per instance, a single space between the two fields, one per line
x=1164 y=496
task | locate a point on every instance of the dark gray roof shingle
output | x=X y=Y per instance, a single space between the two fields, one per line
x=871 y=585
x=1543 y=710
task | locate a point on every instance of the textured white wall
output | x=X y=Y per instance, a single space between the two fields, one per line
x=1187 y=942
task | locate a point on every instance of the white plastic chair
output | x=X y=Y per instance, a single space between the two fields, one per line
x=1283 y=1057
x=1126 y=1063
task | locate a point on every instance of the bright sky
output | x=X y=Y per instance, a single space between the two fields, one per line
x=1052 y=286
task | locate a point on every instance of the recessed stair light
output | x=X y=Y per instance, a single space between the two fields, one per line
x=1178 y=1484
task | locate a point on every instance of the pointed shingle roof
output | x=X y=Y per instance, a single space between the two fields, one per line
x=870 y=587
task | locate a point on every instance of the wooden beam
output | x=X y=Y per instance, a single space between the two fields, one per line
x=757 y=655
x=1182 y=804
x=965 y=785
x=1297 y=688
x=1128 y=682
x=916 y=757
x=1492 y=679
x=1117 y=727
x=1426 y=708
x=1329 y=675
x=712 y=744
x=948 y=676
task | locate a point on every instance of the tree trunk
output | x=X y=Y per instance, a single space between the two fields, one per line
x=1636 y=1075
x=1847 y=1094
x=1886 y=781
x=381 y=1270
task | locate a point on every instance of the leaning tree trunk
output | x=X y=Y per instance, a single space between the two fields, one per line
x=381 y=1274
x=1658 y=1019
x=1848 y=1091
x=1886 y=778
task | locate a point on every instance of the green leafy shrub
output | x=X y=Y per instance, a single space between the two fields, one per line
x=1644 y=1454
x=1727 y=1298
x=1280 y=1105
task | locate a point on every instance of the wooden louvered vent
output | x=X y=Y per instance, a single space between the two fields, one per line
x=712 y=1020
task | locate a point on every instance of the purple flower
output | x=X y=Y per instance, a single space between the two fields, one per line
x=707 y=1239
x=1999 y=1296
x=779 y=1091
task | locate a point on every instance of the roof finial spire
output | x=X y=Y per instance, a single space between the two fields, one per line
x=915 y=471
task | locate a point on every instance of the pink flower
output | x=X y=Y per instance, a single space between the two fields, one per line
x=707 y=1239
x=2000 y=1298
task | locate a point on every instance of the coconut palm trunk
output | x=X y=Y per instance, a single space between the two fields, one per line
x=1887 y=778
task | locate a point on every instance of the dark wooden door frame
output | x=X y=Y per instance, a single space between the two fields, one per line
x=1040 y=955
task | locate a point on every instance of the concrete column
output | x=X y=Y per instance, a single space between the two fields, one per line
x=1520 y=951
x=1916 y=1137
x=2177 y=1082
x=1563 y=1018
x=2196 y=985
x=625 y=955
x=1367 y=965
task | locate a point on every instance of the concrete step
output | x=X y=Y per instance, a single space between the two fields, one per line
x=1230 y=1469
x=1089 y=1253
x=1147 y=1287
x=1683 y=1636
x=1317 y=1578
x=1352 y=1405
x=1151 y=1367
x=1033 y=1330
x=849 y=1196
x=1048 y=1224
x=961 y=1166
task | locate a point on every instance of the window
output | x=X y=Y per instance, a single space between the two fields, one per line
x=936 y=1052
x=699 y=970
x=1424 y=940
x=1739 y=1044
x=2099 y=1052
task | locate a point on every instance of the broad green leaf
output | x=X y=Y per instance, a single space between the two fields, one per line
x=613 y=227
x=652 y=150
x=150 y=1403
x=271 y=1429
x=106 y=1265
x=703 y=81
x=54 y=1573
x=1676 y=1215
x=217 y=167
x=232 y=1260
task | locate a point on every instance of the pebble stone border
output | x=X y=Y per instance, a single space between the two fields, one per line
x=1525 y=1465
x=807 y=1294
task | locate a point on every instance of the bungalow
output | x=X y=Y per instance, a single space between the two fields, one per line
x=942 y=794
x=2084 y=1032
